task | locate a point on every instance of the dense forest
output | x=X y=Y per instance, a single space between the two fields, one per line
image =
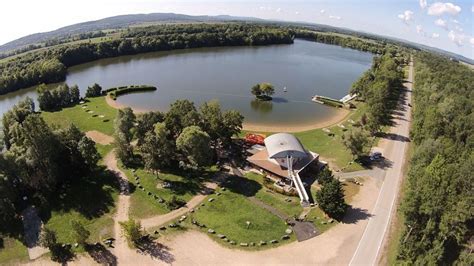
x=184 y=137
x=36 y=160
x=51 y=65
x=438 y=205
x=344 y=41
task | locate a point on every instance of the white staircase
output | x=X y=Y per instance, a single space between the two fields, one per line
x=304 y=199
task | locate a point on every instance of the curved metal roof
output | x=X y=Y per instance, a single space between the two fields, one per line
x=281 y=145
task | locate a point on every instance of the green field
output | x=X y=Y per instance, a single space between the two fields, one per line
x=12 y=251
x=228 y=215
x=275 y=199
x=143 y=205
x=84 y=120
x=89 y=200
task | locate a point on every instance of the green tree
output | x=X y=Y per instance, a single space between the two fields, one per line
x=81 y=234
x=256 y=90
x=325 y=176
x=94 y=91
x=48 y=238
x=331 y=199
x=133 y=231
x=146 y=123
x=157 y=149
x=357 y=141
x=124 y=123
x=182 y=114
x=75 y=94
x=267 y=89
x=232 y=121
x=89 y=152
x=195 y=145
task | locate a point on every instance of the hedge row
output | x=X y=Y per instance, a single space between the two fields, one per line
x=115 y=92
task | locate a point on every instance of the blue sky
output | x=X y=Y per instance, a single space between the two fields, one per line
x=446 y=25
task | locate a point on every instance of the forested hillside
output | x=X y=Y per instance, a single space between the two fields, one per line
x=438 y=205
x=51 y=65
x=344 y=41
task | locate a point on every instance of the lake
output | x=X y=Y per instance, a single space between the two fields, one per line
x=227 y=74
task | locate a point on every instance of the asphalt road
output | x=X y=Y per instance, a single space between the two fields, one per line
x=394 y=150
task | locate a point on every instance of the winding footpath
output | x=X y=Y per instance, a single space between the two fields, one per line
x=394 y=149
x=165 y=218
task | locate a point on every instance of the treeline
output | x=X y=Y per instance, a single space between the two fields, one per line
x=35 y=160
x=184 y=137
x=349 y=42
x=50 y=66
x=62 y=96
x=380 y=87
x=438 y=206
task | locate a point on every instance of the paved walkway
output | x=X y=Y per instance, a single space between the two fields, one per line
x=394 y=149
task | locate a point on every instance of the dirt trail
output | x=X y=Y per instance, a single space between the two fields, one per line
x=162 y=219
x=99 y=137
x=333 y=247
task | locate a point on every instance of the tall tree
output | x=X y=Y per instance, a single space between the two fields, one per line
x=195 y=145
x=357 y=141
x=331 y=199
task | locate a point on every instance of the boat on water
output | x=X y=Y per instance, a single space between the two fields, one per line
x=284 y=89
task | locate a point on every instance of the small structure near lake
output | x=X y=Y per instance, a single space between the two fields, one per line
x=284 y=157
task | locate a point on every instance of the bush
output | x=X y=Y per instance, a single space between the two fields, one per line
x=133 y=231
x=175 y=203
x=115 y=92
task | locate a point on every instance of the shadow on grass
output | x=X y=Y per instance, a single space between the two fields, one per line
x=62 y=253
x=101 y=255
x=353 y=215
x=91 y=196
x=242 y=185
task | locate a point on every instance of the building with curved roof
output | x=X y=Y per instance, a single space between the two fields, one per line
x=281 y=149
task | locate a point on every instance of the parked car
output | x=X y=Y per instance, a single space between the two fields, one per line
x=376 y=156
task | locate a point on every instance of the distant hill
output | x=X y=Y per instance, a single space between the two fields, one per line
x=115 y=22
x=123 y=21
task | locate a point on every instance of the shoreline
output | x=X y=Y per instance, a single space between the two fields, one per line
x=339 y=116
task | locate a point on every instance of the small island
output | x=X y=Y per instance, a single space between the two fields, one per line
x=263 y=91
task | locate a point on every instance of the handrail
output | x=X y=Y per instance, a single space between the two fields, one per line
x=296 y=180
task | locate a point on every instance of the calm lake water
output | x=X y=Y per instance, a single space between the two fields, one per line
x=227 y=74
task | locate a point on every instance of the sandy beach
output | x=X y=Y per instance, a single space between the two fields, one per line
x=339 y=116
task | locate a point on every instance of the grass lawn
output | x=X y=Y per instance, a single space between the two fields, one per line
x=228 y=215
x=275 y=199
x=89 y=200
x=103 y=150
x=84 y=120
x=142 y=205
x=12 y=251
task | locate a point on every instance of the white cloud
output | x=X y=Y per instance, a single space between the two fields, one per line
x=419 y=29
x=322 y=11
x=438 y=9
x=472 y=8
x=335 y=17
x=297 y=13
x=471 y=40
x=458 y=28
x=455 y=21
x=423 y=4
x=442 y=23
x=407 y=16
x=457 y=38
x=435 y=35
x=278 y=10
